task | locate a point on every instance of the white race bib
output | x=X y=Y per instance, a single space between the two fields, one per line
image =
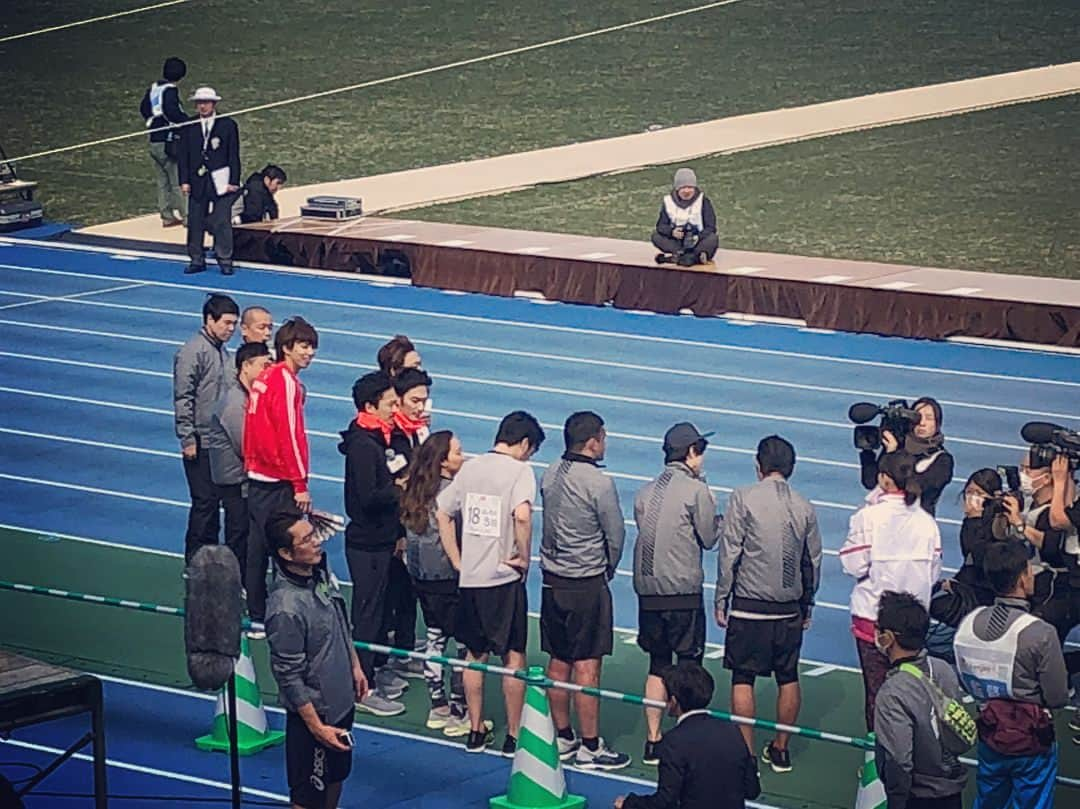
x=483 y=514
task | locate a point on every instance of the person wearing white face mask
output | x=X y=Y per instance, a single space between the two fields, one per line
x=1050 y=563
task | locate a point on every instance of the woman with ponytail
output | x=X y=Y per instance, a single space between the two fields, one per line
x=892 y=544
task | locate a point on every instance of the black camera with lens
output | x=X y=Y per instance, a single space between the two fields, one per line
x=896 y=417
x=1048 y=441
x=1010 y=481
x=691 y=234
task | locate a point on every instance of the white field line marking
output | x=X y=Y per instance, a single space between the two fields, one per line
x=139 y=768
x=879 y=396
x=407 y=75
x=36 y=299
x=464 y=379
x=622 y=336
x=38 y=32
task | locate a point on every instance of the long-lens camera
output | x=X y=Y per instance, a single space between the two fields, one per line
x=896 y=417
x=1010 y=481
x=1049 y=441
x=690 y=236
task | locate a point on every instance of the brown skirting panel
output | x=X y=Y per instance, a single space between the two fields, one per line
x=854 y=306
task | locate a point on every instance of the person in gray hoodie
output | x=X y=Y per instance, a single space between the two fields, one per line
x=200 y=377
x=579 y=553
x=918 y=771
x=313 y=660
x=768 y=572
x=676 y=520
x=225 y=446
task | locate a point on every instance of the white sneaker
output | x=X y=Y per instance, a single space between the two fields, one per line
x=567 y=747
x=438 y=718
x=458 y=724
x=602 y=758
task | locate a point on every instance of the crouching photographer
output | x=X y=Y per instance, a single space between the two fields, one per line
x=917 y=431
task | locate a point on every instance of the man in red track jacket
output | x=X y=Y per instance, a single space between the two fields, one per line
x=276 y=450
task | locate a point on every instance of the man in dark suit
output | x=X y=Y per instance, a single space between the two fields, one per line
x=209 y=169
x=704 y=761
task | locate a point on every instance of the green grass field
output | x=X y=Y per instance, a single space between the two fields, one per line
x=993 y=190
x=148 y=647
x=83 y=83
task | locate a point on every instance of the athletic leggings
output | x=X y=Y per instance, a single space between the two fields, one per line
x=437 y=641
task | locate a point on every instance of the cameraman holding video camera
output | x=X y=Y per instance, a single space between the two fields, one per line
x=916 y=431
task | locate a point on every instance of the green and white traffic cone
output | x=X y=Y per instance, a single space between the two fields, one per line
x=536 y=781
x=252 y=732
x=871 y=794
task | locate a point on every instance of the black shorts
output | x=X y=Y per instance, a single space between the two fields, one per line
x=311 y=767
x=576 y=618
x=671 y=633
x=439 y=604
x=493 y=620
x=760 y=648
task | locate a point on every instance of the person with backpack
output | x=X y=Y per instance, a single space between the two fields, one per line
x=920 y=726
x=161 y=109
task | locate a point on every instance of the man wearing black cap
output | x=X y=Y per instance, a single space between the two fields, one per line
x=161 y=107
x=676 y=520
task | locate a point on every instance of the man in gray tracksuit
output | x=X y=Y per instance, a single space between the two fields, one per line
x=917 y=769
x=313 y=661
x=200 y=377
x=580 y=552
x=769 y=568
x=225 y=446
x=676 y=520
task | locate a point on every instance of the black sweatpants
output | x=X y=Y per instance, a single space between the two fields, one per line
x=708 y=244
x=204 y=521
x=403 y=600
x=372 y=612
x=236 y=521
x=264 y=500
x=218 y=221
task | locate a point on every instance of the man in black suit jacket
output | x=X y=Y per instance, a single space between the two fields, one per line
x=209 y=170
x=704 y=761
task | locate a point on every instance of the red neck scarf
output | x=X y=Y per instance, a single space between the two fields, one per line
x=409 y=425
x=368 y=421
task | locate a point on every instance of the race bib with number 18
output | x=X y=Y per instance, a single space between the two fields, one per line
x=483 y=514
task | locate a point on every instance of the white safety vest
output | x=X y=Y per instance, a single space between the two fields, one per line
x=680 y=216
x=157 y=97
x=986 y=667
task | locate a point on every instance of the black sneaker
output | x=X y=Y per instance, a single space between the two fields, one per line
x=479 y=740
x=1074 y=723
x=686 y=260
x=509 y=747
x=779 y=760
x=227 y=269
x=665 y=258
x=650 y=757
x=191 y=269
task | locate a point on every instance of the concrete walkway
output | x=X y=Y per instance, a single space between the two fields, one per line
x=424 y=186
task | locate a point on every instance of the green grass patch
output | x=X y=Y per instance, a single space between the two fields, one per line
x=84 y=83
x=992 y=190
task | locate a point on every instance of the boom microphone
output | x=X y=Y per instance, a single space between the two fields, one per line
x=862 y=412
x=1039 y=432
x=213 y=612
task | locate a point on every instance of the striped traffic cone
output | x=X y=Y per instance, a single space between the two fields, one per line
x=871 y=794
x=536 y=781
x=251 y=731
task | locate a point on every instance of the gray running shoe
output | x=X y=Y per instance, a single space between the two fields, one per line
x=379 y=705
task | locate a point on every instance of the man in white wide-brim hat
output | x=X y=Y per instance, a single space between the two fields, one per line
x=209 y=164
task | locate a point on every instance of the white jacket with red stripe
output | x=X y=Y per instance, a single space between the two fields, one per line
x=275 y=441
x=891 y=546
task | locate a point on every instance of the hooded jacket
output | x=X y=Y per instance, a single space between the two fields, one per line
x=371 y=496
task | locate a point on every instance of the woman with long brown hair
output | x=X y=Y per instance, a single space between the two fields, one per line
x=434 y=464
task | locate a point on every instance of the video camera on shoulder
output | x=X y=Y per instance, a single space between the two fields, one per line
x=896 y=417
x=1048 y=441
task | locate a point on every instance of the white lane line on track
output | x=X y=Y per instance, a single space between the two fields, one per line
x=76 y=23
x=616 y=335
x=75 y=296
x=877 y=396
x=487 y=381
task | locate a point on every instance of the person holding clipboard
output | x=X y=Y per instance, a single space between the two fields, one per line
x=209 y=173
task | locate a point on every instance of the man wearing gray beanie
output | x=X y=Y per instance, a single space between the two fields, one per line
x=686 y=229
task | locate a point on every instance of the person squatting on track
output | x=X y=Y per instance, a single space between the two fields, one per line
x=686 y=227
x=676 y=520
x=201 y=373
x=373 y=537
x=494 y=494
x=209 y=174
x=769 y=568
x=1011 y=662
x=314 y=662
x=891 y=544
x=434 y=578
x=160 y=108
x=225 y=446
x=916 y=765
x=926 y=444
x=276 y=454
x=582 y=544
x=704 y=761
